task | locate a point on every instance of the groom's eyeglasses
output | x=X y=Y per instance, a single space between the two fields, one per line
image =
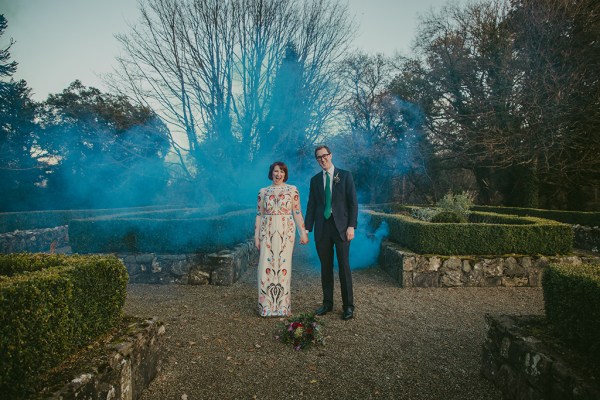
x=322 y=157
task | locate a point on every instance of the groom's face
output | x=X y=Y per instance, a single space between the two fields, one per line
x=324 y=159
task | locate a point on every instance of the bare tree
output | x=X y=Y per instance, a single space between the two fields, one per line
x=557 y=48
x=465 y=77
x=209 y=68
x=383 y=130
x=511 y=92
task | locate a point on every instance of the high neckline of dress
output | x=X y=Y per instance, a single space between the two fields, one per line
x=279 y=186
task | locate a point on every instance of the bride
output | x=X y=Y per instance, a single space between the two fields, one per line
x=277 y=217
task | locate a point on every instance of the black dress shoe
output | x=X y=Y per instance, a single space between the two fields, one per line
x=323 y=310
x=348 y=313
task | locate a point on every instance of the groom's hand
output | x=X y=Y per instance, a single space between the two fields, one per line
x=350 y=233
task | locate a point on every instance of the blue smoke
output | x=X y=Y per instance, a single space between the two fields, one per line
x=364 y=249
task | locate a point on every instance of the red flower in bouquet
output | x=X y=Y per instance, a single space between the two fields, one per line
x=301 y=331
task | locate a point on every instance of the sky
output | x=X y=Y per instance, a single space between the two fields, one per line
x=58 y=41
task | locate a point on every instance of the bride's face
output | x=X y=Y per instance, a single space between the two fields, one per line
x=278 y=175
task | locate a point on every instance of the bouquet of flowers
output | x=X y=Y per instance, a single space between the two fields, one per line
x=301 y=331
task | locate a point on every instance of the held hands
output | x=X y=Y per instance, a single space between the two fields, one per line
x=303 y=238
x=350 y=233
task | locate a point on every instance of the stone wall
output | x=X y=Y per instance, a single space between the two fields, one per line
x=524 y=367
x=586 y=237
x=126 y=368
x=35 y=240
x=415 y=270
x=222 y=268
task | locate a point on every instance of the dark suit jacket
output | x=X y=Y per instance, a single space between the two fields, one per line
x=344 y=205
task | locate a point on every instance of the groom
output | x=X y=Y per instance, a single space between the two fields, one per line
x=333 y=210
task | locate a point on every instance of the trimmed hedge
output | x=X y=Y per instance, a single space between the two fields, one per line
x=19 y=263
x=568 y=217
x=586 y=218
x=449 y=217
x=572 y=303
x=487 y=234
x=175 y=231
x=47 y=313
x=11 y=221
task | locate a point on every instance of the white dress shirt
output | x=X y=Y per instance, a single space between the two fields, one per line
x=330 y=172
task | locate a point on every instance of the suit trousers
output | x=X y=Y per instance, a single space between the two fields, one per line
x=325 y=245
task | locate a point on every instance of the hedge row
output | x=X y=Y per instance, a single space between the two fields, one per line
x=12 y=221
x=495 y=234
x=567 y=217
x=572 y=303
x=174 y=213
x=51 y=218
x=19 y=263
x=586 y=218
x=167 y=234
x=47 y=313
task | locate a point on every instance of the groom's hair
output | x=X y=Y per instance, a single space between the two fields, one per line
x=282 y=167
x=322 y=147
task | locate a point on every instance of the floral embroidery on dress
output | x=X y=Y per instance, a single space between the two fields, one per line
x=277 y=235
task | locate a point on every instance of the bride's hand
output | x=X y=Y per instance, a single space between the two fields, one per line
x=304 y=239
x=257 y=243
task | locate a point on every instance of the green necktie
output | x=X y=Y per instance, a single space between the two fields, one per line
x=327 y=212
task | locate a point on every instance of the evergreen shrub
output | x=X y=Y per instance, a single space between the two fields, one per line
x=572 y=303
x=459 y=204
x=451 y=208
x=52 y=309
x=498 y=235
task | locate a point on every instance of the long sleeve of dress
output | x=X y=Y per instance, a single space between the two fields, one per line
x=296 y=211
x=259 y=214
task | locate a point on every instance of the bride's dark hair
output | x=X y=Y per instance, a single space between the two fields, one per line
x=281 y=166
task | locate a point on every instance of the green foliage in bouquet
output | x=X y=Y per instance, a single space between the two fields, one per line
x=301 y=331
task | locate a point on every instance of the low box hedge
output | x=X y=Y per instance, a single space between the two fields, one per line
x=572 y=303
x=486 y=234
x=568 y=217
x=11 y=221
x=52 y=309
x=586 y=218
x=175 y=231
x=19 y=263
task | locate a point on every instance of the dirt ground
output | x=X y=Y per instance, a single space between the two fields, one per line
x=404 y=343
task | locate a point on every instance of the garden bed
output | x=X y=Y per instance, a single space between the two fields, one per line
x=410 y=269
x=485 y=234
x=181 y=231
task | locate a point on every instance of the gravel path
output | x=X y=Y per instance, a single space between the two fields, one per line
x=402 y=344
